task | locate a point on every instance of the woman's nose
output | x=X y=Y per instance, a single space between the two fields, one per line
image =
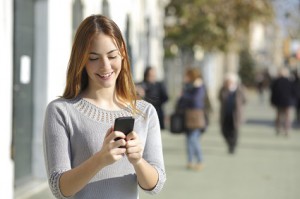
x=104 y=62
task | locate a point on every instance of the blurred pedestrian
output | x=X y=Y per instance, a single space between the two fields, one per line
x=282 y=98
x=84 y=159
x=296 y=88
x=262 y=83
x=154 y=92
x=232 y=98
x=260 y=86
x=193 y=98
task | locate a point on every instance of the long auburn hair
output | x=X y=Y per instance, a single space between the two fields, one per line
x=77 y=78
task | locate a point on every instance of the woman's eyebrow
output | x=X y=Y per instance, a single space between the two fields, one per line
x=93 y=53
x=111 y=51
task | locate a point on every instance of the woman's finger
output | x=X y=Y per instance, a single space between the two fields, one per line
x=132 y=135
x=115 y=135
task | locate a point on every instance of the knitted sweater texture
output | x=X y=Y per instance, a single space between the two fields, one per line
x=74 y=130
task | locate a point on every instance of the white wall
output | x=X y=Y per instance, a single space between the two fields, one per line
x=137 y=10
x=257 y=36
x=59 y=45
x=6 y=53
x=213 y=74
x=91 y=7
x=155 y=12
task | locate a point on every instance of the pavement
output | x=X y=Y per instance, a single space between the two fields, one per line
x=265 y=166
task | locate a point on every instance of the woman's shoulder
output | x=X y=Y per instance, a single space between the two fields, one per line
x=59 y=103
x=144 y=106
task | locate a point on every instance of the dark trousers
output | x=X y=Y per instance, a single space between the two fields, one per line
x=283 y=119
x=230 y=133
x=298 y=111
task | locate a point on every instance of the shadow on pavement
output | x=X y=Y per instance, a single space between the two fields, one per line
x=261 y=122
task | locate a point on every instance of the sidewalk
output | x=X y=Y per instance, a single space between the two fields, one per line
x=265 y=166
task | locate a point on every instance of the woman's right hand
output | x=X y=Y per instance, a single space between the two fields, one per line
x=75 y=179
x=113 y=148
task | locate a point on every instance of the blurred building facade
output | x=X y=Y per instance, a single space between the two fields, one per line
x=37 y=39
x=6 y=57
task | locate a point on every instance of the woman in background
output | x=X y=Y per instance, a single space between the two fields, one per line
x=154 y=92
x=193 y=97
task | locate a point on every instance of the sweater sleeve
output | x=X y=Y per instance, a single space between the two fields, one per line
x=56 y=145
x=153 y=153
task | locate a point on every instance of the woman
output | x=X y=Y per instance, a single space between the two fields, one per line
x=154 y=92
x=83 y=157
x=232 y=99
x=193 y=97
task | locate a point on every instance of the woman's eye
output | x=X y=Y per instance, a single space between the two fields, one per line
x=112 y=57
x=93 y=59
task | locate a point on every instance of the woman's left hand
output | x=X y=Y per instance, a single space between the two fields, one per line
x=133 y=148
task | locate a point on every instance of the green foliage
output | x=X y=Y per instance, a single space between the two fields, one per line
x=212 y=24
x=247 y=65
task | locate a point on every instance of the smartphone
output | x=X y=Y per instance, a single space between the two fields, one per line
x=124 y=124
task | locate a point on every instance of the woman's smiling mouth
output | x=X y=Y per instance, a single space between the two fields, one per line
x=105 y=76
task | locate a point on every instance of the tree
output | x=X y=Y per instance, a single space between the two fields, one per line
x=246 y=71
x=212 y=24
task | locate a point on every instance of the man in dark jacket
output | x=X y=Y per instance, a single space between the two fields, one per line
x=282 y=98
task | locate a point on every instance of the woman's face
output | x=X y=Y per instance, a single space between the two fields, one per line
x=104 y=63
x=151 y=76
x=186 y=79
x=229 y=83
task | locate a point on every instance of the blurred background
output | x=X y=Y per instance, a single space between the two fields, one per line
x=251 y=38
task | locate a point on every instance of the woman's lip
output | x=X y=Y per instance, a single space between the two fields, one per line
x=105 y=75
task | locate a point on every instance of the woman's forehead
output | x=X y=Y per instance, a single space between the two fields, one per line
x=102 y=43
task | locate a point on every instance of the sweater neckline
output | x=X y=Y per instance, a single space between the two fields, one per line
x=99 y=114
x=102 y=109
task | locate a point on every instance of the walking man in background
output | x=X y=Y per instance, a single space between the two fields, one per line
x=232 y=98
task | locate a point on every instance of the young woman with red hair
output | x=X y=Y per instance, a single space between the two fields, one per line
x=83 y=157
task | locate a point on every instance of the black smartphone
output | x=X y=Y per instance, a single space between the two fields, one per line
x=124 y=124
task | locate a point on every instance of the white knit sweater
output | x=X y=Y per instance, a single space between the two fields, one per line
x=74 y=130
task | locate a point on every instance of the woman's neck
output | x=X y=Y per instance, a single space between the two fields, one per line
x=103 y=98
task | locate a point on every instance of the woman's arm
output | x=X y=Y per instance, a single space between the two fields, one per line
x=148 y=161
x=64 y=180
x=75 y=179
x=147 y=175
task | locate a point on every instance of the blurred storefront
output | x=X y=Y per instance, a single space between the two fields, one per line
x=37 y=36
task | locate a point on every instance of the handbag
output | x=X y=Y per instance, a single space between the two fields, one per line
x=195 y=119
x=177 y=123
